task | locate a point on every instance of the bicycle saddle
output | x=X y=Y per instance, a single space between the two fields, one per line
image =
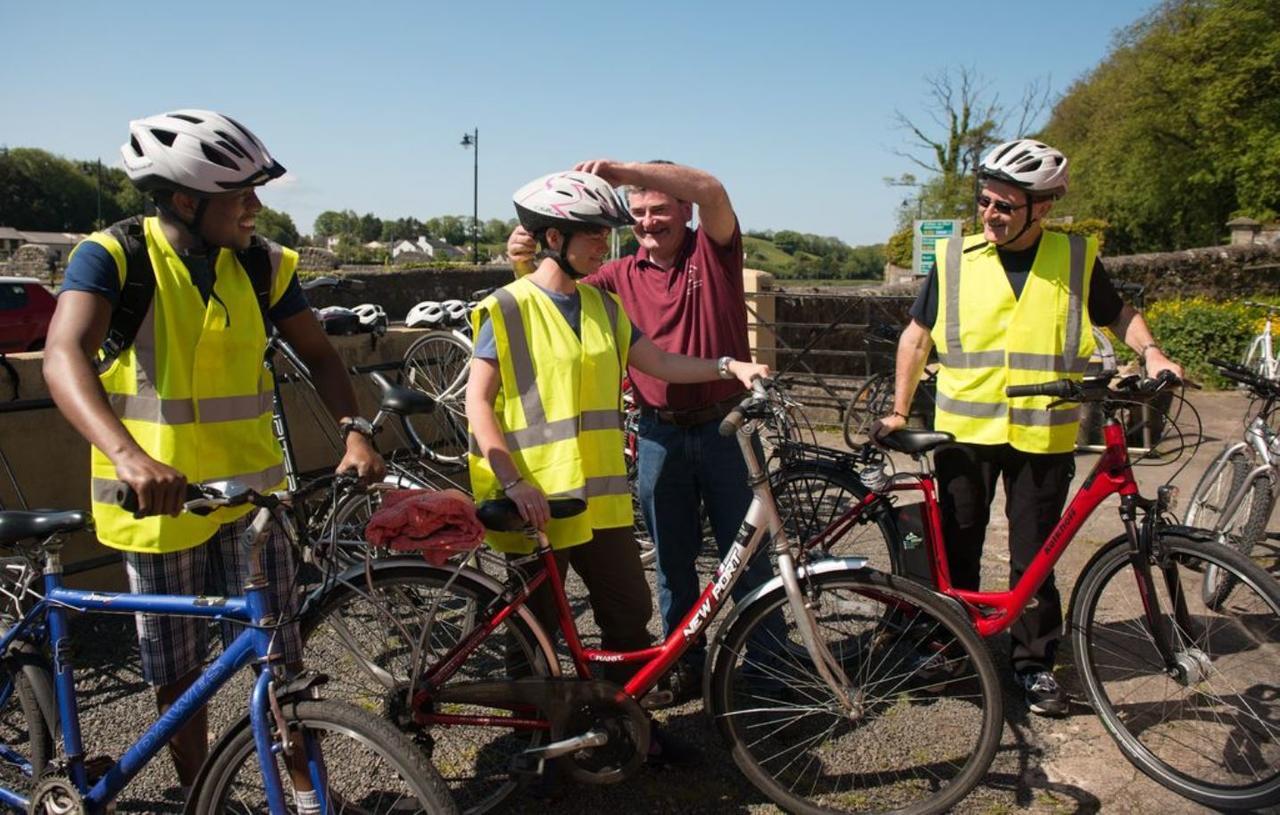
x=914 y=442
x=18 y=525
x=501 y=515
x=406 y=401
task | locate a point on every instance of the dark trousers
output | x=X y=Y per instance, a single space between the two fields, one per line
x=1035 y=488
x=609 y=565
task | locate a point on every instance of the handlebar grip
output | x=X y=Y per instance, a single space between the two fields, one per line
x=127 y=498
x=730 y=424
x=1060 y=389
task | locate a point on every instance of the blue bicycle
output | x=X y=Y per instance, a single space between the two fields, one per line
x=354 y=761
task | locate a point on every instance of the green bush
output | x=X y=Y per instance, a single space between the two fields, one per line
x=900 y=247
x=1195 y=329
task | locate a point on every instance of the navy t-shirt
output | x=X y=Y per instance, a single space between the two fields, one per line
x=93 y=269
x=570 y=305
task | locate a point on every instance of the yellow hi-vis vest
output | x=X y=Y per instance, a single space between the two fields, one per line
x=192 y=391
x=559 y=407
x=987 y=339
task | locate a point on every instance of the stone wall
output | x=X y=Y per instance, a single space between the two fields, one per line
x=34 y=260
x=1220 y=272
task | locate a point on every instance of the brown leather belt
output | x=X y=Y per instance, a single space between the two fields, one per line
x=695 y=416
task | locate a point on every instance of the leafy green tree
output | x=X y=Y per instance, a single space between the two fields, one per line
x=331 y=224
x=401 y=229
x=1178 y=129
x=277 y=226
x=369 y=227
x=42 y=191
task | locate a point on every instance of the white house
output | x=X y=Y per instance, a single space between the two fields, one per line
x=433 y=248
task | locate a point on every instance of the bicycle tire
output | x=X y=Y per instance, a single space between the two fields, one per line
x=868 y=403
x=364 y=639
x=367 y=762
x=913 y=662
x=811 y=496
x=1245 y=530
x=437 y=363
x=1228 y=693
x=25 y=732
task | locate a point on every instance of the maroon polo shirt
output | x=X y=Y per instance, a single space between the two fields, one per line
x=696 y=307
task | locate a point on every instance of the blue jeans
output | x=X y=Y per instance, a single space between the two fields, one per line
x=680 y=470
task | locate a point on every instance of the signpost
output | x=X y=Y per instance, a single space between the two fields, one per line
x=927 y=233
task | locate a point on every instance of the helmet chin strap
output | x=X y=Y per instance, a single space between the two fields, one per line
x=561 y=257
x=1030 y=223
x=192 y=226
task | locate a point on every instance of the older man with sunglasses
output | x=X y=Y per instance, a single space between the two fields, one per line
x=1014 y=305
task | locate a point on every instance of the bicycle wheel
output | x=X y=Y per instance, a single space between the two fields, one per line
x=868 y=403
x=929 y=711
x=370 y=766
x=366 y=637
x=1245 y=529
x=437 y=364
x=26 y=743
x=812 y=500
x=1210 y=731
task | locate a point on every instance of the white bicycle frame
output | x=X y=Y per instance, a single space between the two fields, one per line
x=1266 y=445
x=1261 y=356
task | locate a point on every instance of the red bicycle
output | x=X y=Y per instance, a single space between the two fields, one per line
x=1189 y=692
x=823 y=682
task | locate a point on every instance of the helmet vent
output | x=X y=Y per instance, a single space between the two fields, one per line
x=217 y=157
x=133 y=144
x=248 y=136
x=165 y=137
x=231 y=144
x=185 y=117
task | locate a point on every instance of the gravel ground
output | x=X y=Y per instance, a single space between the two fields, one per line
x=1043 y=766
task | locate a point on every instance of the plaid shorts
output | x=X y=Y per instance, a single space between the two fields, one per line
x=172 y=646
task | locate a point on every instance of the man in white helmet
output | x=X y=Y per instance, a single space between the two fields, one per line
x=1009 y=301
x=155 y=355
x=684 y=290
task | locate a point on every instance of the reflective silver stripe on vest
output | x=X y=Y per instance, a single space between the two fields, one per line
x=1075 y=302
x=600 y=486
x=1047 y=363
x=560 y=430
x=144 y=352
x=105 y=490
x=521 y=358
x=1030 y=417
x=181 y=411
x=977 y=410
x=151 y=408
x=1027 y=417
x=955 y=356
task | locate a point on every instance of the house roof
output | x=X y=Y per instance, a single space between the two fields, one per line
x=51 y=238
x=8 y=233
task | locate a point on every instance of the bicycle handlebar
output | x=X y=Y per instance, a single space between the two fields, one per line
x=337 y=283
x=759 y=391
x=200 y=500
x=1239 y=373
x=1097 y=388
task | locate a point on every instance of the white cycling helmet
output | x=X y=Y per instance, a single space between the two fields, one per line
x=338 y=320
x=1034 y=166
x=569 y=201
x=372 y=316
x=455 y=311
x=427 y=314
x=197 y=151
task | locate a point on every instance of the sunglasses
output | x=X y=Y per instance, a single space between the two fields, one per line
x=1002 y=207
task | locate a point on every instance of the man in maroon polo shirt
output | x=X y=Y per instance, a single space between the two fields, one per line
x=684 y=290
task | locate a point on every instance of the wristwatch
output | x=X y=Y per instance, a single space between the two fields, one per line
x=722 y=367
x=357 y=424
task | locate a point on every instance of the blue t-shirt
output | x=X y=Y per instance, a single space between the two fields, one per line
x=570 y=305
x=93 y=269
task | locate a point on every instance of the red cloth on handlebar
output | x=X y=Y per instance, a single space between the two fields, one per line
x=437 y=524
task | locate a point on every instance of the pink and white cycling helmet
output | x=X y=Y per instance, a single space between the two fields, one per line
x=570 y=201
x=197 y=151
x=1034 y=166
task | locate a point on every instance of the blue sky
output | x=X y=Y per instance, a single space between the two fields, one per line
x=790 y=104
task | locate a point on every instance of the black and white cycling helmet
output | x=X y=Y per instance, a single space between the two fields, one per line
x=196 y=151
x=338 y=320
x=570 y=202
x=372 y=317
x=1034 y=166
x=427 y=314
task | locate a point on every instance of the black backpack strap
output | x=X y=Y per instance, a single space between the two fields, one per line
x=256 y=261
x=136 y=293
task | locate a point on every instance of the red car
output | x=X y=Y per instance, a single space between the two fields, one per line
x=26 y=307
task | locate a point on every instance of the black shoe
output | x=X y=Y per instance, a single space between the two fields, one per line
x=685 y=683
x=666 y=750
x=933 y=672
x=1042 y=693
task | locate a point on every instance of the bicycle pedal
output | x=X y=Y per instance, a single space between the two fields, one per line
x=656 y=699
x=528 y=766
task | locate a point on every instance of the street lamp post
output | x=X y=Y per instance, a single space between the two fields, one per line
x=469 y=140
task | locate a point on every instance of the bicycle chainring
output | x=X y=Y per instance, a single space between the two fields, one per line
x=56 y=795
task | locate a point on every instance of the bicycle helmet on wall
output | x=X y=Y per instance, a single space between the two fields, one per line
x=338 y=320
x=196 y=151
x=1034 y=166
x=569 y=202
x=372 y=317
x=455 y=311
x=427 y=314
